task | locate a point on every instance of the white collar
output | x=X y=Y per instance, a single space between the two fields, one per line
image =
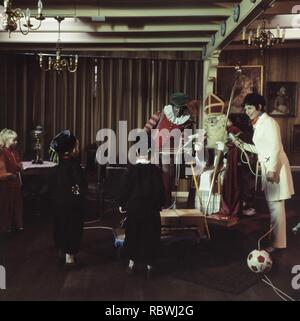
x=168 y=111
x=261 y=119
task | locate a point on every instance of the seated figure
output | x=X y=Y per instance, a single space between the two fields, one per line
x=214 y=122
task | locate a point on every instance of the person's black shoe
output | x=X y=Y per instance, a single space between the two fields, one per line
x=70 y=260
x=71 y=264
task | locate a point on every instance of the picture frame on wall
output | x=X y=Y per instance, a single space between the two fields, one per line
x=295 y=143
x=250 y=80
x=282 y=98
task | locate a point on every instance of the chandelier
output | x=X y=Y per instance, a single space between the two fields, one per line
x=263 y=38
x=13 y=16
x=58 y=63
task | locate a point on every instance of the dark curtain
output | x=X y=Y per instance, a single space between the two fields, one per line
x=101 y=92
x=133 y=89
x=30 y=97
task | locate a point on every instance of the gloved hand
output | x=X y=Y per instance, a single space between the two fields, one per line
x=198 y=146
x=220 y=146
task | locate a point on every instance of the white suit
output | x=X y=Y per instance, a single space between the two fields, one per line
x=268 y=147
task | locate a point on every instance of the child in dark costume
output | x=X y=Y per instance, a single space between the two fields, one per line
x=69 y=190
x=142 y=197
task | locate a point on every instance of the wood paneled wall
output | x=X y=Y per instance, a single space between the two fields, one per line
x=279 y=65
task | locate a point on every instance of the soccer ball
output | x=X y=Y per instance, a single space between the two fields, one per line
x=259 y=261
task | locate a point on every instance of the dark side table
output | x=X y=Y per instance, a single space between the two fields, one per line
x=36 y=186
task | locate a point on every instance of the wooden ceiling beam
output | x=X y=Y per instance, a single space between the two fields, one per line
x=85 y=25
x=136 y=12
x=248 y=12
x=96 y=38
x=74 y=47
x=126 y=3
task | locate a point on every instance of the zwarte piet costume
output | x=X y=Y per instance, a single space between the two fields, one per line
x=175 y=115
x=69 y=187
x=142 y=195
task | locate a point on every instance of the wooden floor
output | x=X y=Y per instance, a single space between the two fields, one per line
x=33 y=273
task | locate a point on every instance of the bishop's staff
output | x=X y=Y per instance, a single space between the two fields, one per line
x=238 y=71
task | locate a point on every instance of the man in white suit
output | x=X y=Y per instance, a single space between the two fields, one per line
x=277 y=182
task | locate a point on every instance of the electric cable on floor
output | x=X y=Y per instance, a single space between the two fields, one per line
x=267 y=281
x=280 y=293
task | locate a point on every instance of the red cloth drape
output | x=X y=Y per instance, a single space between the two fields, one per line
x=231 y=190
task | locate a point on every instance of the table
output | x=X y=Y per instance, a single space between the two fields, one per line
x=35 y=186
x=27 y=165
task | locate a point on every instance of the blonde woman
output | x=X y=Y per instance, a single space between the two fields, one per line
x=12 y=204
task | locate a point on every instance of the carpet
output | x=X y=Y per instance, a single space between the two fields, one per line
x=220 y=267
x=233 y=278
